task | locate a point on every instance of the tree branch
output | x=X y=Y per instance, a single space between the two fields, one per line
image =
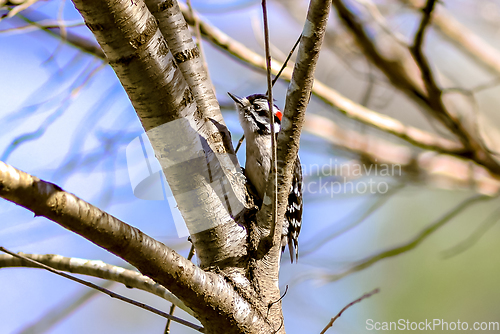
x=212 y=298
x=190 y=142
x=96 y=268
x=274 y=165
x=462 y=37
x=33 y=17
x=414 y=87
x=188 y=57
x=298 y=95
x=103 y=290
x=346 y=106
x=330 y=96
x=424 y=167
x=366 y=295
x=474 y=237
x=413 y=243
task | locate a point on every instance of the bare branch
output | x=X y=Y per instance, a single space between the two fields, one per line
x=426 y=167
x=20 y=6
x=348 y=107
x=74 y=92
x=181 y=118
x=371 y=7
x=96 y=268
x=199 y=43
x=33 y=18
x=330 y=96
x=462 y=37
x=106 y=291
x=274 y=169
x=287 y=59
x=413 y=243
x=167 y=326
x=424 y=23
x=363 y=212
x=268 y=248
x=480 y=231
x=298 y=96
x=45 y=24
x=188 y=57
x=430 y=95
x=150 y=256
x=412 y=135
x=366 y=295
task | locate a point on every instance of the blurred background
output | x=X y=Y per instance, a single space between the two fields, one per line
x=370 y=197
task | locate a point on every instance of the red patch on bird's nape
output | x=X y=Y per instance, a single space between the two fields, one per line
x=279 y=114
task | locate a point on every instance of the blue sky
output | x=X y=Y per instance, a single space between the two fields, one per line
x=81 y=121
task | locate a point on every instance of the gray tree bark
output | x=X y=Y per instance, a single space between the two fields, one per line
x=235 y=287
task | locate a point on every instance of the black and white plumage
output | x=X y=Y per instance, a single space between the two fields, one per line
x=253 y=112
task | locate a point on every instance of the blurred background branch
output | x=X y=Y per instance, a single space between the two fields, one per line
x=419 y=119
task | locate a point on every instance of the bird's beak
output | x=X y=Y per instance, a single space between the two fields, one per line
x=236 y=99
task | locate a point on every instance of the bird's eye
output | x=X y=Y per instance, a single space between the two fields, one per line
x=257 y=107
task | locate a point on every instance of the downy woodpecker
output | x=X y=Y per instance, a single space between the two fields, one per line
x=253 y=112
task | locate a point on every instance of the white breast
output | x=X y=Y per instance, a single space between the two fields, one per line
x=257 y=166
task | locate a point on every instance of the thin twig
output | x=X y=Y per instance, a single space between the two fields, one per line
x=421 y=88
x=413 y=243
x=21 y=7
x=96 y=268
x=71 y=38
x=481 y=52
x=172 y=308
x=239 y=143
x=277 y=301
x=106 y=291
x=286 y=60
x=274 y=164
x=475 y=236
x=367 y=95
x=418 y=54
x=273 y=82
x=281 y=325
x=352 y=110
x=377 y=16
x=473 y=143
x=63 y=30
x=258 y=33
x=167 y=326
x=191 y=253
x=366 y=295
x=45 y=24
